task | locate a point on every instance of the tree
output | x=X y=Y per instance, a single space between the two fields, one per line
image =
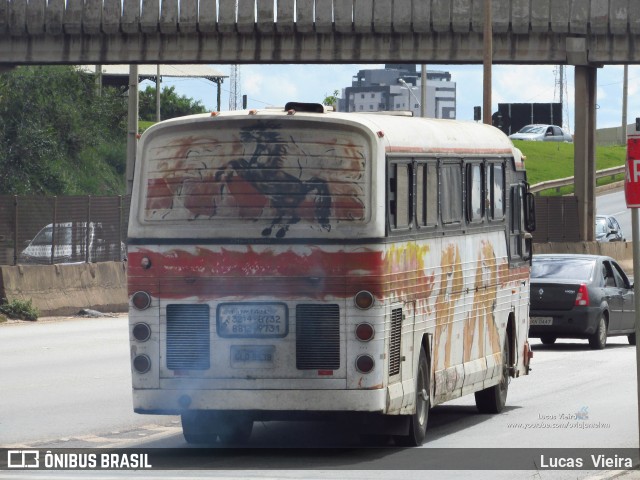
x=57 y=135
x=171 y=104
x=331 y=100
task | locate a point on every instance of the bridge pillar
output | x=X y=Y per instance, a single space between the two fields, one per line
x=584 y=160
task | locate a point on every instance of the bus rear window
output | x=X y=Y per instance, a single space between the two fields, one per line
x=265 y=172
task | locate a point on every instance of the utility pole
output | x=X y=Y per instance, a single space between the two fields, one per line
x=625 y=92
x=99 y=80
x=487 y=61
x=423 y=92
x=132 y=127
x=158 y=83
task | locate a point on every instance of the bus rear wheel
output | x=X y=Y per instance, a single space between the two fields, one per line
x=493 y=399
x=236 y=430
x=206 y=427
x=197 y=428
x=418 y=421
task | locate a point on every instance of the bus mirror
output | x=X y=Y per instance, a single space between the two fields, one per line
x=530 y=212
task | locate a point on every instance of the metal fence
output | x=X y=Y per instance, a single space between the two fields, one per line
x=77 y=229
x=557 y=220
x=72 y=229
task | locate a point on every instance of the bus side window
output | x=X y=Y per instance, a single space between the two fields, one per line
x=400 y=197
x=451 y=193
x=518 y=246
x=475 y=193
x=495 y=191
x=427 y=194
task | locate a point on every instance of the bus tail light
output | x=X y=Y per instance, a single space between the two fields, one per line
x=141 y=300
x=142 y=364
x=141 y=332
x=364 y=300
x=364 y=363
x=582 y=298
x=364 y=332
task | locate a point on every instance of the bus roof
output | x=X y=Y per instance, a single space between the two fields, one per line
x=400 y=134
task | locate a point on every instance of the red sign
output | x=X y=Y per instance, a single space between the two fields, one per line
x=632 y=177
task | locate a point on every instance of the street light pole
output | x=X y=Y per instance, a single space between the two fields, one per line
x=401 y=80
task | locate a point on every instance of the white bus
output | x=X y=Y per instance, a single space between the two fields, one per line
x=301 y=263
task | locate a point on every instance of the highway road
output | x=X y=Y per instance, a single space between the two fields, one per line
x=66 y=384
x=613 y=203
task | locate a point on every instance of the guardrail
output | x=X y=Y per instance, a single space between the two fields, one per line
x=563 y=182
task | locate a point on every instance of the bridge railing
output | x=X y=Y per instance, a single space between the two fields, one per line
x=564 y=182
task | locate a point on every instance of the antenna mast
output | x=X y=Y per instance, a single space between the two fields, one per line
x=234 y=94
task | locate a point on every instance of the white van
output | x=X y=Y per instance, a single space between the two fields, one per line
x=71 y=244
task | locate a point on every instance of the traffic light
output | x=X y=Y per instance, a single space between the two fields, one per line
x=477 y=113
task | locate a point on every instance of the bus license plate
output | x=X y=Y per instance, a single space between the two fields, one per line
x=541 y=321
x=255 y=356
x=252 y=320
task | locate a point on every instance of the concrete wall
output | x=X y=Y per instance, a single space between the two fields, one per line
x=65 y=289
x=620 y=251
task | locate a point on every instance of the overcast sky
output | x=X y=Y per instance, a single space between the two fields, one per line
x=274 y=85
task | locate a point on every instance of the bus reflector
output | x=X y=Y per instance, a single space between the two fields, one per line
x=141 y=300
x=142 y=364
x=364 y=363
x=364 y=332
x=141 y=332
x=364 y=300
x=325 y=372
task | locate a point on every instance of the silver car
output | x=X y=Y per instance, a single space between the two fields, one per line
x=542 y=133
x=608 y=229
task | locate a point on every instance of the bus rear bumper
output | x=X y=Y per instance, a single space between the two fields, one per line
x=175 y=402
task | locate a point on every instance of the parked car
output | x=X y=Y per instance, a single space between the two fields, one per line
x=580 y=296
x=542 y=133
x=608 y=229
x=71 y=243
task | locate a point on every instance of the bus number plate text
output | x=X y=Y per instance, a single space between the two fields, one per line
x=252 y=320
x=254 y=356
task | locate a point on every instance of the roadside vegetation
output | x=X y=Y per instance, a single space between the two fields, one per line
x=550 y=161
x=19 y=309
x=60 y=135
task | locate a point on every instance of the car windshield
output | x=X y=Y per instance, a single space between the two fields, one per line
x=574 y=268
x=601 y=225
x=532 y=129
x=45 y=236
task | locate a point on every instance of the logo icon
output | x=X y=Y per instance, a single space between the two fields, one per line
x=583 y=414
x=23 y=459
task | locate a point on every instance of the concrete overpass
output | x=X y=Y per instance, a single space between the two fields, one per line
x=582 y=33
x=577 y=32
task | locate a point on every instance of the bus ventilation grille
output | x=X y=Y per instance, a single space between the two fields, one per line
x=317 y=337
x=188 y=338
x=394 y=341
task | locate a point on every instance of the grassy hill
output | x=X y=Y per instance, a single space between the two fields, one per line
x=549 y=160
